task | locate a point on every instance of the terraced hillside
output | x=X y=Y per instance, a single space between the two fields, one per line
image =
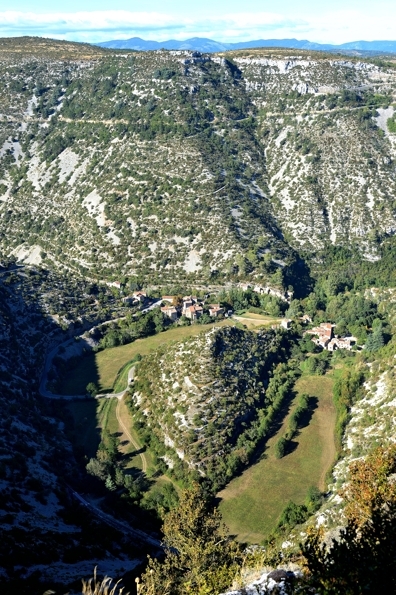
x=202 y=403
x=175 y=165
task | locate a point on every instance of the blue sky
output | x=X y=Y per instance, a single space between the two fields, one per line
x=335 y=21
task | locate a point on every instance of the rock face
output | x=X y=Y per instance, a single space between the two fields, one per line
x=278 y=581
x=172 y=165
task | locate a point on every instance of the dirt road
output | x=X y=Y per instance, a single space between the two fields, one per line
x=127 y=433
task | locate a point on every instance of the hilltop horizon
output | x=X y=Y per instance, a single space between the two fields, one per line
x=205 y=44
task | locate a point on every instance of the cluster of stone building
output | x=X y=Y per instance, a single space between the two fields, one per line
x=191 y=307
x=323 y=336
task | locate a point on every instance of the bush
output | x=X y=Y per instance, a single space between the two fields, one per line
x=280 y=448
x=292 y=515
x=92 y=389
x=391 y=123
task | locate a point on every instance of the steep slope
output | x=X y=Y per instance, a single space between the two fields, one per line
x=330 y=169
x=176 y=165
x=114 y=169
x=44 y=536
x=203 y=404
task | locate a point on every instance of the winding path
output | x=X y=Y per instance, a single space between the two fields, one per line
x=130 y=437
x=131 y=375
x=116 y=524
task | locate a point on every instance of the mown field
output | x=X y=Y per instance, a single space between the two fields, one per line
x=252 y=503
x=253 y=321
x=103 y=367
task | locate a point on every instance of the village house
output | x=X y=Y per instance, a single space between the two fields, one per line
x=193 y=312
x=168 y=298
x=324 y=334
x=342 y=343
x=286 y=323
x=170 y=311
x=139 y=296
x=306 y=319
x=215 y=310
x=187 y=302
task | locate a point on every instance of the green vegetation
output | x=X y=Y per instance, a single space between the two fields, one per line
x=119 y=467
x=280 y=448
x=298 y=416
x=252 y=503
x=206 y=395
x=104 y=366
x=132 y=328
x=346 y=392
x=194 y=562
x=256 y=304
x=92 y=389
x=391 y=123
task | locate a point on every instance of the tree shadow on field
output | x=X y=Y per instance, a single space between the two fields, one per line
x=260 y=452
x=307 y=416
x=290 y=447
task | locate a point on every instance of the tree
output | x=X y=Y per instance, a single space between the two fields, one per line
x=200 y=558
x=92 y=389
x=177 y=301
x=110 y=485
x=371 y=485
x=292 y=515
x=376 y=340
x=280 y=448
x=362 y=559
x=97 y=468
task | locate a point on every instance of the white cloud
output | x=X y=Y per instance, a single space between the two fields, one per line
x=333 y=27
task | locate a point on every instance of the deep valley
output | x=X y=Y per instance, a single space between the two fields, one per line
x=197 y=318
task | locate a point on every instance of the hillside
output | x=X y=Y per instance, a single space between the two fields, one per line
x=44 y=536
x=245 y=159
x=202 y=404
x=228 y=175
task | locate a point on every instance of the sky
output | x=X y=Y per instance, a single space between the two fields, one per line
x=335 y=21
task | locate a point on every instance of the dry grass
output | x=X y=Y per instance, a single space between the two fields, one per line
x=14 y=47
x=254 y=321
x=104 y=587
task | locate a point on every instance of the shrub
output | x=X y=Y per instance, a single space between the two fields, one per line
x=92 y=389
x=280 y=448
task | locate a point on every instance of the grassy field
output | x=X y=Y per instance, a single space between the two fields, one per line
x=104 y=366
x=121 y=381
x=252 y=320
x=252 y=503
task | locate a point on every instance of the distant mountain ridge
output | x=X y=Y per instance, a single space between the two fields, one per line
x=203 y=44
